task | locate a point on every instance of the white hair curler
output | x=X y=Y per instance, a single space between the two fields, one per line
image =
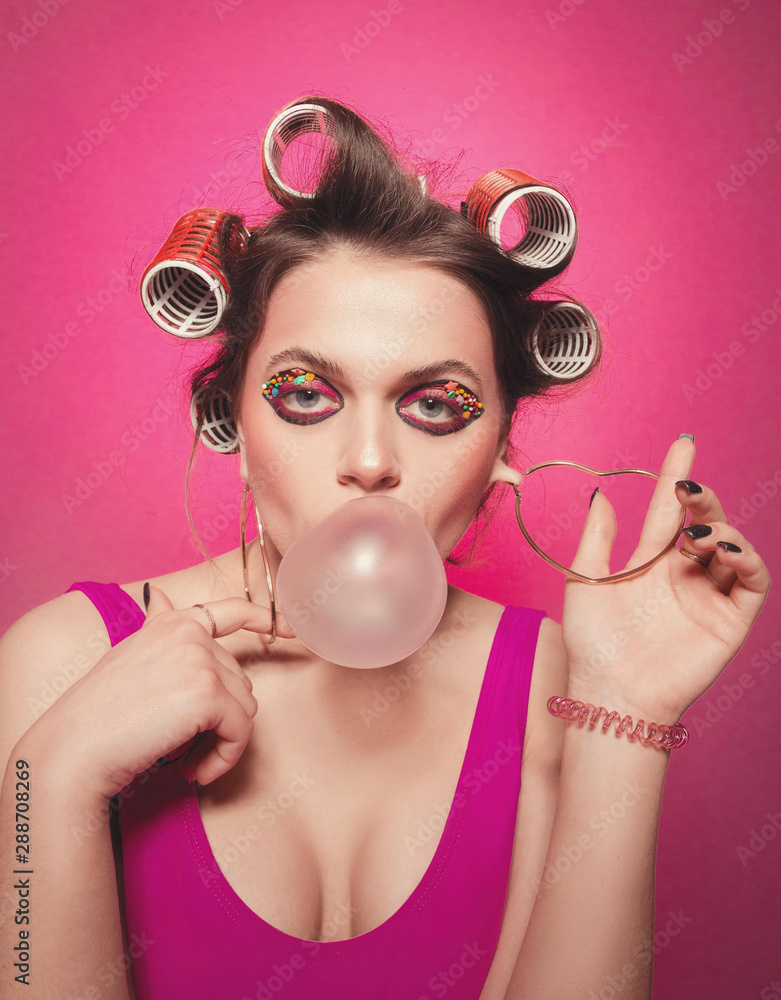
x=185 y=289
x=218 y=431
x=565 y=340
x=550 y=235
x=291 y=122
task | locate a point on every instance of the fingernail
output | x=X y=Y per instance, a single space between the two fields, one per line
x=690 y=486
x=146 y=596
x=689 y=436
x=593 y=495
x=729 y=547
x=698 y=530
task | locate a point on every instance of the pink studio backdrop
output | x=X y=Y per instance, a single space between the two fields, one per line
x=664 y=122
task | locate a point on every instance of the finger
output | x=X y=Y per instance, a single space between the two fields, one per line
x=230 y=614
x=701 y=539
x=745 y=571
x=664 y=510
x=700 y=501
x=596 y=541
x=159 y=602
x=236 y=681
x=233 y=728
x=749 y=591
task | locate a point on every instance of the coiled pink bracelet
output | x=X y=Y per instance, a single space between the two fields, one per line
x=667 y=737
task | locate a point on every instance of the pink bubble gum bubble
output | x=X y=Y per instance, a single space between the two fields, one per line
x=366 y=586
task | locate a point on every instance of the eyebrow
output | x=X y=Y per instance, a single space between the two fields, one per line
x=431 y=371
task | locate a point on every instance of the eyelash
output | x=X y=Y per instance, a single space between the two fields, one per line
x=464 y=404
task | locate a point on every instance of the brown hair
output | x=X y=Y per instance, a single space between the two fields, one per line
x=370 y=201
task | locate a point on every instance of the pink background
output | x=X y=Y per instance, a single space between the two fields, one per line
x=668 y=182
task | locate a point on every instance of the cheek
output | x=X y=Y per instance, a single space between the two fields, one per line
x=447 y=497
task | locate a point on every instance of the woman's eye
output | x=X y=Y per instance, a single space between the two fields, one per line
x=300 y=397
x=442 y=408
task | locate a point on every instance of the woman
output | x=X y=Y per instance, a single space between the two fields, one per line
x=341 y=841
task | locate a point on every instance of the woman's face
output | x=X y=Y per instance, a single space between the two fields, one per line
x=363 y=426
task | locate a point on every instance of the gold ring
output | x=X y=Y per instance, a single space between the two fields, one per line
x=691 y=555
x=210 y=617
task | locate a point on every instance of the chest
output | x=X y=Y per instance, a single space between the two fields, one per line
x=336 y=809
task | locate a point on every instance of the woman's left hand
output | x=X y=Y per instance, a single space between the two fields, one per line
x=654 y=643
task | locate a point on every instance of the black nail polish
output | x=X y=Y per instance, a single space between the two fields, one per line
x=698 y=530
x=690 y=486
x=592 y=496
x=146 y=596
x=729 y=547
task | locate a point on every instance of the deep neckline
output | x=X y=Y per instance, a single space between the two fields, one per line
x=254 y=923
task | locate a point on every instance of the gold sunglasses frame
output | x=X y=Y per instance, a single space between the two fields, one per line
x=625 y=574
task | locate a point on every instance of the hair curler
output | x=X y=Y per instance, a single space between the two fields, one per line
x=218 y=430
x=548 y=242
x=565 y=340
x=185 y=289
x=287 y=125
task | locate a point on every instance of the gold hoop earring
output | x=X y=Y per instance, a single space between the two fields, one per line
x=269 y=581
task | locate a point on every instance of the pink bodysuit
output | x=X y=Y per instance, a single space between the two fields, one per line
x=192 y=937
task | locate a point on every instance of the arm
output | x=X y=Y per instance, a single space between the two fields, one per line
x=592 y=922
x=646 y=647
x=75 y=889
x=75 y=934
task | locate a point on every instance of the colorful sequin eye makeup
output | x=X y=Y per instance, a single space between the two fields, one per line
x=463 y=404
x=293 y=391
x=294 y=383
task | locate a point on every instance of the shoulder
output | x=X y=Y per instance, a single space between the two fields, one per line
x=42 y=654
x=51 y=631
x=543 y=742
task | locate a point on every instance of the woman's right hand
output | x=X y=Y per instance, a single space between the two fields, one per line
x=155 y=690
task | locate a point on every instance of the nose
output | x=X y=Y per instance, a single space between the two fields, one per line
x=368 y=457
